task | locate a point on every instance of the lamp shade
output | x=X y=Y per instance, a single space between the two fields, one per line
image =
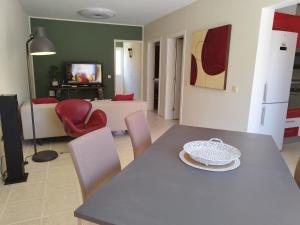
x=41 y=45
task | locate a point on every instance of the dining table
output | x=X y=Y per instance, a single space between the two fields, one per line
x=157 y=188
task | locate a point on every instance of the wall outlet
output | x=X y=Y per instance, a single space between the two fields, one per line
x=235 y=89
x=109 y=76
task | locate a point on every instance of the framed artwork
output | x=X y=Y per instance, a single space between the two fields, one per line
x=210 y=52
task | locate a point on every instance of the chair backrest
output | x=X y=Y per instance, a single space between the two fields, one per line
x=139 y=132
x=96 y=160
x=297 y=173
x=74 y=109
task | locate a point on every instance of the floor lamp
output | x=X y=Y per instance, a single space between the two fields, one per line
x=40 y=45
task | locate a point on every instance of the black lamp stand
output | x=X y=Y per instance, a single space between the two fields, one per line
x=46 y=155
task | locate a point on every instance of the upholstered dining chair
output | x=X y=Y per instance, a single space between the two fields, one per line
x=139 y=132
x=96 y=160
x=297 y=173
x=74 y=114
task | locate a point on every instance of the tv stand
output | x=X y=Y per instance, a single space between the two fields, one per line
x=72 y=89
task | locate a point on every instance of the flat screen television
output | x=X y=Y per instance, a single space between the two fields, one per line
x=83 y=73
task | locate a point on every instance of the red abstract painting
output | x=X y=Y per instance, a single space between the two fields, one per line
x=210 y=52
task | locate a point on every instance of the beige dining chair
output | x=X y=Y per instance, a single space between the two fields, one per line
x=139 y=132
x=96 y=160
x=297 y=173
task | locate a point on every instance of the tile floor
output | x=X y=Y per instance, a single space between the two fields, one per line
x=52 y=191
x=291 y=154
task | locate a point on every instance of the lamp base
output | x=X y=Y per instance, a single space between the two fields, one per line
x=44 y=156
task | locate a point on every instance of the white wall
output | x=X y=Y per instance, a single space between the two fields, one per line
x=14 y=28
x=206 y=107
x=119 y=72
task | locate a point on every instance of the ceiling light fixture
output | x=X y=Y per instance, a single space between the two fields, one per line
x=97 y=13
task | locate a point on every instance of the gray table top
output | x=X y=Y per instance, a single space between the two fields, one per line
x=158 y=189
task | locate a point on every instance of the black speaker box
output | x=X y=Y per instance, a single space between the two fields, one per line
x=12 y=137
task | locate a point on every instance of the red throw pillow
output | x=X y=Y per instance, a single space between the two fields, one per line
x=44 y=100
x=124 y=97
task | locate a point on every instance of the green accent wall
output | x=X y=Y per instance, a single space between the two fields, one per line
x=80 y=42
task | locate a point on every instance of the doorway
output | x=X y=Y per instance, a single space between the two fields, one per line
x=154 y=76
x=128 y=67
x=174 y=79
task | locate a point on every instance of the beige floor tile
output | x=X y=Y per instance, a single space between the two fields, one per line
x=36 y=177
x=291 y=154
x=21 y=211
x=67 y=168
x=125 y=155
x=34 y=166
x=66 y=218
x=61 y=202
x=2 y=206
x=62 y=188
x=62 y=173
x=62 y=178
x=61 y=147
x=62 y=160
x=30 y=222
x=23 y=192
x=4 y=191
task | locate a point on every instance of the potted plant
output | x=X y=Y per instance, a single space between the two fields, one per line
x=54 y=72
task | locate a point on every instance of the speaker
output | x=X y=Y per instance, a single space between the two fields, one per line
x=12 y=137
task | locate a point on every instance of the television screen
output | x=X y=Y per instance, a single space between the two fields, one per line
x=84 y=73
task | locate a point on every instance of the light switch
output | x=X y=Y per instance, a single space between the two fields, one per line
x=109 y=76
x=235 y=89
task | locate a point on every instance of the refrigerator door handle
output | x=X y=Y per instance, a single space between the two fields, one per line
x=262 y=119
x=265 y=92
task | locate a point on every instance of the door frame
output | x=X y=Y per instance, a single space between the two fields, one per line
x=169 y=69
x=150 y=73
x=142 y=64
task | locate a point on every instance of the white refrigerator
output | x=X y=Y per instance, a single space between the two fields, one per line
x=277 y=86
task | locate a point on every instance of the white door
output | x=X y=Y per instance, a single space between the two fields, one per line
x=280 y=69
x=272 y=122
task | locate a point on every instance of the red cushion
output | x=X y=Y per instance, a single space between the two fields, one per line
x=124 y=97
x=44 y=100
x=293 y=113
x=291 y=132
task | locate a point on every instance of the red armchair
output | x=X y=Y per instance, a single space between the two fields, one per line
x=74 y=112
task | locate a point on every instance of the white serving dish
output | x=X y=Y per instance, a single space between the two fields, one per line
x=189 y=161
x=212 y=152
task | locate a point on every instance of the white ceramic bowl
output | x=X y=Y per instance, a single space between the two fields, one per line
x=212 y=152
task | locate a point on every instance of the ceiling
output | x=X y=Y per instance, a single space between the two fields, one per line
x=133 y=12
